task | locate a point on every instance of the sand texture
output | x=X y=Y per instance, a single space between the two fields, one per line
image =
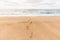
x=30 y=28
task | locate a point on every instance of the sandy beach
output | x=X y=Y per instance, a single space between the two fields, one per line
x=30 y=28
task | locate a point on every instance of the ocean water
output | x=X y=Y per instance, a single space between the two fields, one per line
x=30 y=12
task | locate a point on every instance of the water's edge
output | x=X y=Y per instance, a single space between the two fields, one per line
x=30 y=12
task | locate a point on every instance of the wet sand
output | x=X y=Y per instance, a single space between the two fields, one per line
x=30 y=28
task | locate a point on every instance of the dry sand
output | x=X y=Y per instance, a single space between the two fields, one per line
x=30 y=28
